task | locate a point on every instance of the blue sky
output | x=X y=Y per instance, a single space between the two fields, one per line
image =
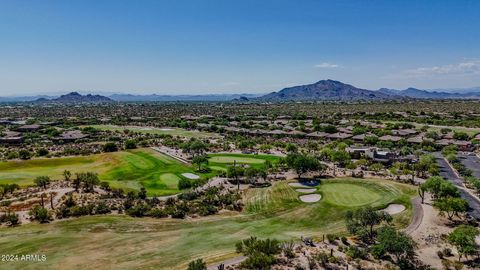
x=224 y=46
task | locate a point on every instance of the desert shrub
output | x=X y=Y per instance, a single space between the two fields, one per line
x=357 y=253
x=102 y=208
x=157 y=213
x=184 y=184
x=40 y=214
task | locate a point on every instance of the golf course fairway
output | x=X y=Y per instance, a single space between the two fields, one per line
x=129 y=170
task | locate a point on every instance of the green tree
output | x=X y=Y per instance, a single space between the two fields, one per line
x=370 y=140
x=340 y=157
x=42 y=181
x=184 y=183
x=365 y=219
x=89 y=180
x=451 y=206
x=40 y=214
x=143 y=193
x=196 y=147
x=199 y=160
x=24 y=154
x=130 y=144
x=426 y=163
x=42 y=152
x=398 y=244
x=291 y=148
x=303 y=163
x=110 y=147
x=463 y=238
x=440 y=188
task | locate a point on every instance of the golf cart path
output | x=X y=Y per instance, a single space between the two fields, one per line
x=417 y=216
x=165 y=151
x=229 y=262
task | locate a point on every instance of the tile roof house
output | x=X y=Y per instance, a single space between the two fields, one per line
x=28 y=128
x=390 y=138
x=317 y=134
x=339 y=136
x=70 y=136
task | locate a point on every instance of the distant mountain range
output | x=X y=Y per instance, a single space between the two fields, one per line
x=330 y=90
x=324 y=90
x=75 y=97
x=437 y=94
x=154 y=97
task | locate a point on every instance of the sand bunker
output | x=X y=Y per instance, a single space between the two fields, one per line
x=296 y=184
x=305 y=190
x=310 y=198
x=165 y=129
x=393 y=209
x=190 y=176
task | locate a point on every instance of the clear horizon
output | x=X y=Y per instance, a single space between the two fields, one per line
x=220 y=47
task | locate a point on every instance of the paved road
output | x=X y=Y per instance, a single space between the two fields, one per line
x=447 y=172
x=471 y=162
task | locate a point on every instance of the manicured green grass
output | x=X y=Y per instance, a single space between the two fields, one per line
x=158 y=173
x=223 y=161
x=129 y=243
x=162 y=131
x=354 y=194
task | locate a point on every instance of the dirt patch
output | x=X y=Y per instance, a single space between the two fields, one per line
x=429 y=235
x=394 y=208
x=310 y=198
x=305 y=190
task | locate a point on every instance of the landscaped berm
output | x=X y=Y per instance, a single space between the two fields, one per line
x=130 y=243
x=158 y=173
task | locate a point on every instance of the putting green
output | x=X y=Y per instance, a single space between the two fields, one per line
x=158 y=173
x=239 y=160
x=221 y=162
x=349 y=194
x=170 y=179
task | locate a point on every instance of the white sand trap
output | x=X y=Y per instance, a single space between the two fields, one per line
x=393 y=209
x=296 y=184
x=310 y=198
x=166 y=129
x=191 y=176
x=305 y=190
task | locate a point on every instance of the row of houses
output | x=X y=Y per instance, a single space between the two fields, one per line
x=15 y=137
x=411 y=136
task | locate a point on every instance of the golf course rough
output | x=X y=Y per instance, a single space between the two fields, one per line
x=147 y=243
